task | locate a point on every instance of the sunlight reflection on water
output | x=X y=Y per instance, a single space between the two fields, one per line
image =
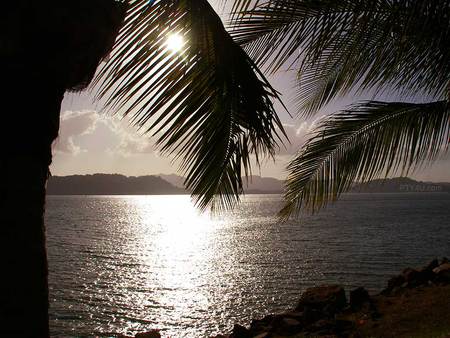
x=176 y=239
x=124 y=264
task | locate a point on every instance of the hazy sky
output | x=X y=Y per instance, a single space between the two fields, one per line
x=91 y=141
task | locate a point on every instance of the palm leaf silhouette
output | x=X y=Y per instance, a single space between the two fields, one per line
x=369 y=140
x=349 y=47
x=208 y=104
x=340 y=46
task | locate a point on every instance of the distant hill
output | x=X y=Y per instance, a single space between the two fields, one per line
x=113 y=184
x=106 y=184
x=270 y=185
x=264 y=185
x=256 y=184
x=173 y=179
x=399 y=185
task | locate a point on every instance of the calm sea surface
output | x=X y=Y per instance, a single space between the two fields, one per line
x=126 y=264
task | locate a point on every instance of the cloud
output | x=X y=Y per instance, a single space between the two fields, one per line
x=73 y=125
x=132 y=142
x=87 y=130
x=298 y=134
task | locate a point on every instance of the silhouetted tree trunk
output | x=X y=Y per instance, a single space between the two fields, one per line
x=26 y=155
x=46 y=48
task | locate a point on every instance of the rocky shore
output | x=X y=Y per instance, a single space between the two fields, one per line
x=416 y=303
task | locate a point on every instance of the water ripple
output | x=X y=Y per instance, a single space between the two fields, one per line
x=124 y=264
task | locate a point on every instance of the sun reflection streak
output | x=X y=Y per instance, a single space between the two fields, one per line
x=176 y=245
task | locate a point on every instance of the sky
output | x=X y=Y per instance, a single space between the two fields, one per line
x=92 y=140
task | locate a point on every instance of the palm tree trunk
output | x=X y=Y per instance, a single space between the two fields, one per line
x=45 y=48
x=23 y=259
x=26 y=138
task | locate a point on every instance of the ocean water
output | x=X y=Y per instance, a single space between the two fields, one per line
x=125 y=264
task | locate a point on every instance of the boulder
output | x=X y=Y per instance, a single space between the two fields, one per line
x=322 y=326
x=327 y=299
x=263 y=324
x=396 y=281
x=432 y=265
x=149 y=334
x=442 y=268
x=427 y=271
x=414 y=277
x=358 y=298
x=311 y=315
x=331 y=327
x=442 y=273
x=343 y=326
x=263 y=335
x=240 y=331
x=299 y=316
x=290 y=322
x=289 y=326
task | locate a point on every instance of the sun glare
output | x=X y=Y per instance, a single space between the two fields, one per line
x=175 y=42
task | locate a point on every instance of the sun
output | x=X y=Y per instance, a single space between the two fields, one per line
x=175 y=42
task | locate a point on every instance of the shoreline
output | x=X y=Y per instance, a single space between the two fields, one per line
x=415 y=304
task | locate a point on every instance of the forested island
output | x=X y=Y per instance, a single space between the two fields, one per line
x=115 y=184
x=106 y=184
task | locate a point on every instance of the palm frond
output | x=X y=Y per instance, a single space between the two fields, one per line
x=207 y=104
x=240 y=7
x=339 y=46
x=369 y=140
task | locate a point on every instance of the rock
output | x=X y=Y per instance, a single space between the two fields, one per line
x=300 y=316
x=414 y=277
x=358 y=298
x=150 y=334
x=395 y=282
x=329 y=299
x=442 y=273
x=240 y=332
x=287 y=323
x=322 y=326
x=289 y=326
x=261 y=325
x=409 y=274
x=441 y=268
x=290 y=322
x=374 y=313
x=427 y=271
x=432 y=265
x=342 y=326
x=276 y=321
x=263 y=335
x=310 y=316
x=326 y=327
